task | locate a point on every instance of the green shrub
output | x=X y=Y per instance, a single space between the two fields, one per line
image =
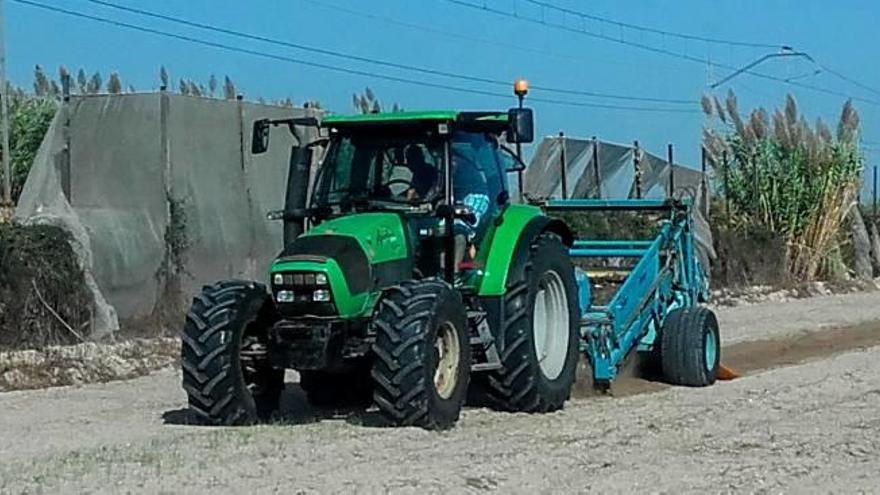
x=29 y=119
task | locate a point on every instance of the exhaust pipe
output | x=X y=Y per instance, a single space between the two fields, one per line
x=297 y=189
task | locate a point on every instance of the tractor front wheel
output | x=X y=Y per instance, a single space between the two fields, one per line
x=226 y=372
x=422 y=355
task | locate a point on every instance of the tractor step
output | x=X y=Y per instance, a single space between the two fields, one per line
x=485 y=353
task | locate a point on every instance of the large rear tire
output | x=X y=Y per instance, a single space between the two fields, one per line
x=540 y=332
x=226 y=372
x=690 y=347
x=422 y=355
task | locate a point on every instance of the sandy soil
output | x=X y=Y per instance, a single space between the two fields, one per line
x=811 y=427
x=794 y=317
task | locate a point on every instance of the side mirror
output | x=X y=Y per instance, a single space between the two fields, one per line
x=522 y=125
x=260 y=140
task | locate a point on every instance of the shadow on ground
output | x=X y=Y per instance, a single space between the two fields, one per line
x=295 y=409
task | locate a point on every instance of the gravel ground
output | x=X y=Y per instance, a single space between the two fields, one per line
x=85 y=363
x=812 y=427
x=772 y=319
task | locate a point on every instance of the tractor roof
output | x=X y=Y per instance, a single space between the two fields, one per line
x=489 y=119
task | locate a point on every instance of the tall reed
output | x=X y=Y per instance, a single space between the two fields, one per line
x=785 y=176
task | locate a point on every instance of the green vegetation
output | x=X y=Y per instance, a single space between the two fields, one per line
x=786 y=177
x=29 y=119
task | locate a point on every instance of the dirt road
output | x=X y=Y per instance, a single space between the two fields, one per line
x=811 y=427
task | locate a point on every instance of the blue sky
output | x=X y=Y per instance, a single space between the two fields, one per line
x=841 y=35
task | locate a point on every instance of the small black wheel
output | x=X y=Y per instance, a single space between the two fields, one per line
x=226 y=371
x=329 y=390
x=540 y=332
x=422 y=355
x=690 y=347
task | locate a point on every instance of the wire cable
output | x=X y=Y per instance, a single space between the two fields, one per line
x=850 y=80
x=785 y=48
x=518 y=47
x=662 y=51
x=646 y=29
x=385 y=63
x=345 y=70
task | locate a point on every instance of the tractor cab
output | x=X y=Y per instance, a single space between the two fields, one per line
x=441 y=175
x=435 y=169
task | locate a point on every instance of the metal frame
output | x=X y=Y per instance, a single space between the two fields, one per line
x=665 y=277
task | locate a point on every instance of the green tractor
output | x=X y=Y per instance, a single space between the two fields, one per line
x=409 y=281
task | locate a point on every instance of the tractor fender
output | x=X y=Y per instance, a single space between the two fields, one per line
x=534 y=229
x=510 y=248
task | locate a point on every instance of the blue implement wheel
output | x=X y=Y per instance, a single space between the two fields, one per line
x=711 y=347
x=690 y=347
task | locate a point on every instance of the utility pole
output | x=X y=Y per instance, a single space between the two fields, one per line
x=4 y=114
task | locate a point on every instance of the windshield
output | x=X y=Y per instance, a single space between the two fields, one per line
x=404 y=167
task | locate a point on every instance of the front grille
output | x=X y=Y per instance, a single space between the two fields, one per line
x=303 y=286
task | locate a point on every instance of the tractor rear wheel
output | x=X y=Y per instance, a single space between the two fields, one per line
x=226 y=372
x=422 y=355
x=540 y=331
x=690 y=347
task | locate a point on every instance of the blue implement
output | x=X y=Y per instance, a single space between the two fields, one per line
x=664 y=275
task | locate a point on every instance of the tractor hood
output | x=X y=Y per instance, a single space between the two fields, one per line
x=360 y=254
x=380 y=235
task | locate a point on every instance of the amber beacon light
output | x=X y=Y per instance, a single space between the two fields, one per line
x=521 y=87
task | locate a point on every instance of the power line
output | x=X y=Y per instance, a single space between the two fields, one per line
x=662 y=51
x=672 y=34
x=526 y=48
x=385 y=63
x=345 y=70
x=553 y=101
x=518 y=47
x=605 y=37
x=847 y=79
x=686 y=36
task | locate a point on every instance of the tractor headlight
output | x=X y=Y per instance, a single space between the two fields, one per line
x=301 y=287
x=285 y=296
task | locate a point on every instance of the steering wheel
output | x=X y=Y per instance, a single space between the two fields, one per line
x=405 y=182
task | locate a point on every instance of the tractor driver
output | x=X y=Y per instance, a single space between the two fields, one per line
x=470 y=189
x=424 y=175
